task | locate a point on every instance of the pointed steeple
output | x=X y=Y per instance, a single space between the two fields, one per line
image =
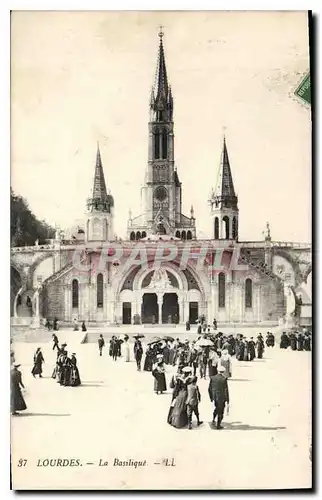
x=224 y=190
x=161 y=75
x=101 y=201
x=99 y=187
x=161 y=100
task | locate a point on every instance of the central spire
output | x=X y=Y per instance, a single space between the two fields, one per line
x=161 y=90
x=161 y=101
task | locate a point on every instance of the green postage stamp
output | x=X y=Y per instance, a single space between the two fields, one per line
x=303 y=91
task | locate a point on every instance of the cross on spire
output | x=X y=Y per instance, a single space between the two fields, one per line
x=161 y=33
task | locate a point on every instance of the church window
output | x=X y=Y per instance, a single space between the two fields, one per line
x=248 y=293
x=100 y=291
x=221 y=290
x=157 y=151
x=189 y=235
x=164 y=145
x=161 y=193
x=143 y=234
x=226 y=227
x=183 y=235
x=216 y=228
x=177 y=234
x=132 y=236
x=138 y=235
x=75 y=294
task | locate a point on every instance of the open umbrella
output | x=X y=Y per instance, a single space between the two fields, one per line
x=168 y=338
x=155 y=340
x=204 y=343
x=138 y=336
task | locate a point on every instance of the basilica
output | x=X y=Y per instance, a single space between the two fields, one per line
x=160 y=273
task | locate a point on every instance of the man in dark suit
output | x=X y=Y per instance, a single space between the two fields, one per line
x=219 y=395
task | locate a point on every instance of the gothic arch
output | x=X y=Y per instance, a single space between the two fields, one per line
x=138 y=235
x=177 y=234
x=132 y=236
x=35 y=264
x=189 y=235
x=75 y=293
x=222 y=290
x=248 y=293
x=287 y=256
x=216 y=228
x=183 y=235
x=226 y=228
x=181 y=279
x=100 y=290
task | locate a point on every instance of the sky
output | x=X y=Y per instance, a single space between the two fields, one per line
x=82 y=77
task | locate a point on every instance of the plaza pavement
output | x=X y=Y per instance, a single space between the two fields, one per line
x=115 y=414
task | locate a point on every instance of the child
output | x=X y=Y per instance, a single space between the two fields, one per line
x=192 y=402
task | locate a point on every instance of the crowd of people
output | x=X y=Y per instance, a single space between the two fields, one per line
x=297 y=341
x=209 y=356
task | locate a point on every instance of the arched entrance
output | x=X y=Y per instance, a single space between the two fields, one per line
x=149 y=308
x=170 y=308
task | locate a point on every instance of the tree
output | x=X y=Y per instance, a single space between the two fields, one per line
x=24 y=226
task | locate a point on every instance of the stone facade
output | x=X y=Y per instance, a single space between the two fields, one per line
x=90 y=275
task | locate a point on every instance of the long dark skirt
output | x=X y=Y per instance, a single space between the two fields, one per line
x=160 y=384
x=148 y=362
x=74 y=377
x=17 y=400
x=177 y=416
x=64 y=376
x=37 y=369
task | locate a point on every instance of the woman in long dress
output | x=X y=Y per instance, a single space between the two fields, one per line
x=158 y=373
x=17 y=400
x=126 y=347
x=74 y=372
x=148 y=362
x=38 y=361
x=225 y=362
x=177 y=416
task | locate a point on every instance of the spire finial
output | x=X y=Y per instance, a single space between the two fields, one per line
x=161 y=33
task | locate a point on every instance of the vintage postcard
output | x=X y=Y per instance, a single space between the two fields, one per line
x=161 y=267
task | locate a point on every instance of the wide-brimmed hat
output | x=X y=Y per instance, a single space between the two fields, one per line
x=187 y=369
x=16 y=365
x=64 y=345
x=221 y=369
x=159 y=356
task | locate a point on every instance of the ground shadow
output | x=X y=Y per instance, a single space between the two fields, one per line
x=44 y=415
x=239 y=380
x=239 y=426
x=91 y=385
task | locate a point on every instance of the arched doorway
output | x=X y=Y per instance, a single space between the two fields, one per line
x=170 y=308
x=150 y=309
